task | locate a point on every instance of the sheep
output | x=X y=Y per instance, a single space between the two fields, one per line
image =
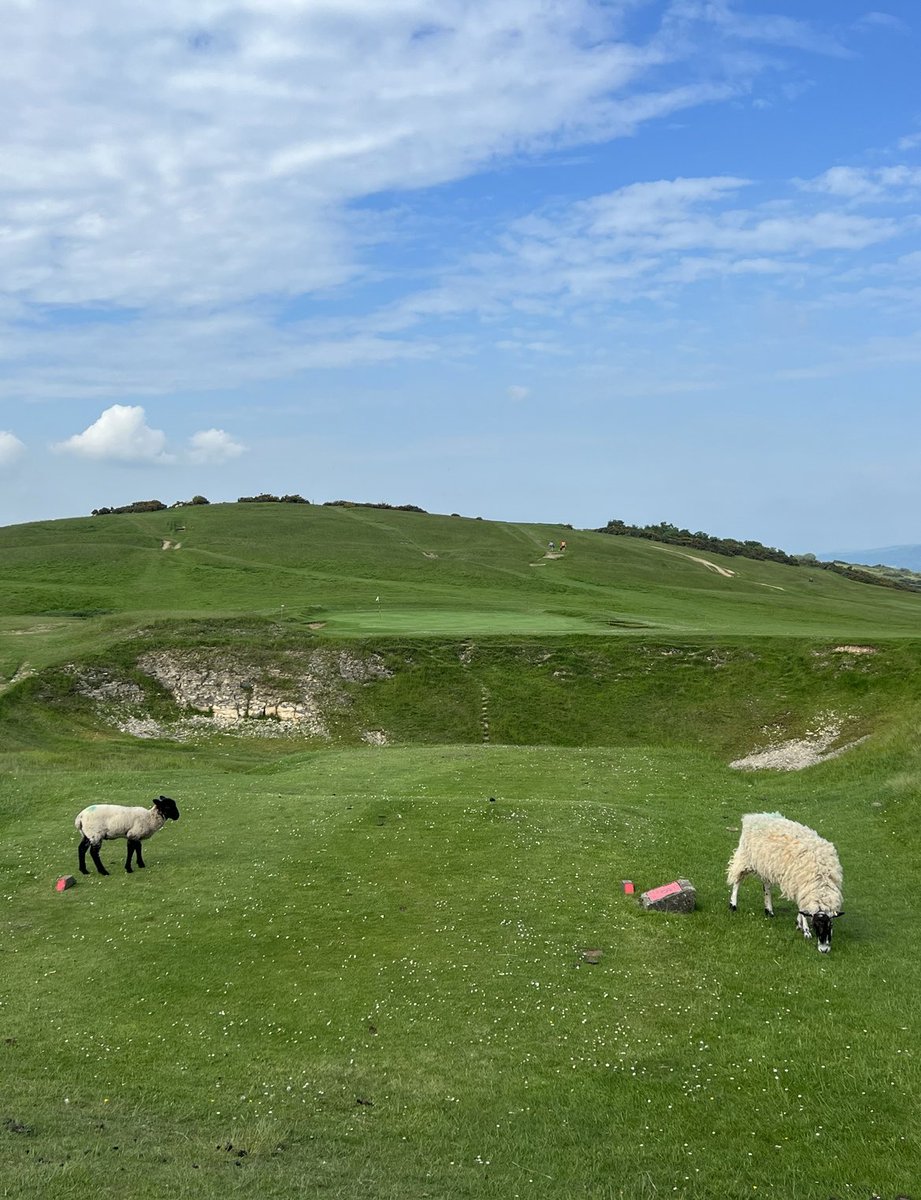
x=794 y=858
x=102 y=822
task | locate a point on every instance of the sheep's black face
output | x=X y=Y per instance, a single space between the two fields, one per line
x=821 y=927
x=167 y=807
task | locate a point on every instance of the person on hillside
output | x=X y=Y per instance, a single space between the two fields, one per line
x=562 y=547
x=551 y=546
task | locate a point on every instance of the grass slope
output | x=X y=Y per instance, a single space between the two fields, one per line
x=345 y=972
x=357 y=970
x=366 y=571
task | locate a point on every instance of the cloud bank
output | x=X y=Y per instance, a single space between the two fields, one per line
x=208 y=181
x=121 y=435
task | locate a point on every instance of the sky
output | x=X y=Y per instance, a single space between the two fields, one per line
x=530 y=260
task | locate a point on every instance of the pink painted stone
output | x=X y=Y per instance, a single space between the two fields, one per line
x=679 y=896
x=659 y=893
x=65 y=882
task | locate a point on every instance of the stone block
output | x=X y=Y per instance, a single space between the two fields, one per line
x=65 y=882
x=680 y=896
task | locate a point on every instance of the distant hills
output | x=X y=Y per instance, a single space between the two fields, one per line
x=906 y=557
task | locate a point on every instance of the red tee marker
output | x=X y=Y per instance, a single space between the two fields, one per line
x=628 y=887
x=65 y=882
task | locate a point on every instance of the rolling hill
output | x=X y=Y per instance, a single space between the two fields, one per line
x=386 y=950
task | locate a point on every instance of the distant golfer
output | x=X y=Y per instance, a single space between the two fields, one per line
x=551 y=546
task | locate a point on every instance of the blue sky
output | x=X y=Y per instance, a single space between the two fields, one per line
x=550 y=260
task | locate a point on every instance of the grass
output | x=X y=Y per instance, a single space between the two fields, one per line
x=451 y=622
x=381 y=987
x=70 y=585
x=347 y=972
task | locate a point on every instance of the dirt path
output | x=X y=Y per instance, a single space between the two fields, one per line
x=704 y=562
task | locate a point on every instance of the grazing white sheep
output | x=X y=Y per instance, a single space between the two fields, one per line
x=103 y=822
x=794 y=858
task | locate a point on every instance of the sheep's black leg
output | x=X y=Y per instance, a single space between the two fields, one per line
x=134 y=847
x=81 y=854
x=94 y=855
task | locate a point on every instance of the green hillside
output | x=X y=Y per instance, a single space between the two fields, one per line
x=433 y=574
x=415 y=756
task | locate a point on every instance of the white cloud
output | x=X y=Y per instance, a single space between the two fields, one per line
x=172 y=183
x=152 y=162
x=121 y=434
x=213 y=446
x=882 y=20
x=645 y=241
x=11 y=448
x=517 y=392
x=768 y=28
x=155 y=161
x=891 y=183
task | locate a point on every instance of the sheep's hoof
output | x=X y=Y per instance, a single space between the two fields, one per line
x=103 y=871
x=128 y=869
x=732 y=907
x=768 y=912
x=84 y=870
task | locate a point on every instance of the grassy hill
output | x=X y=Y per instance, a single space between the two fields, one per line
x=358 y=969
x=433 y=574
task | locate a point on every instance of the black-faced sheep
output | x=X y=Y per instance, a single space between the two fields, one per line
x=103 y=822
x=794 y=858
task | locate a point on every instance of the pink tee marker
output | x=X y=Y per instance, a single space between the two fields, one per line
x=628 y=887
x=679 y=896
x=65 y=882
x=667 y=889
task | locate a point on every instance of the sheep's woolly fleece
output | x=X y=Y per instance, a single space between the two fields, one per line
x=792 y=857
x=797 y=753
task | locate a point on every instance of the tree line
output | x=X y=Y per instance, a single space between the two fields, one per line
x=664 y=531
x=142 y=506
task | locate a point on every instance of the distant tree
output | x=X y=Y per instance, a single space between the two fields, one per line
x=367 y=504
x=268 y=498
x=671 y=534
x=189 y=503
x=666 y=532
x=139 y=506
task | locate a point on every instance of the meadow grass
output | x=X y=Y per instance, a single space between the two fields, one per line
x=349 y=972
x=68 y=585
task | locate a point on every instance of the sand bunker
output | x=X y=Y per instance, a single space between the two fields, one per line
x=795 y=754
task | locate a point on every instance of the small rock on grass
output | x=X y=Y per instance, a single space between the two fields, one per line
x=679 y=896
